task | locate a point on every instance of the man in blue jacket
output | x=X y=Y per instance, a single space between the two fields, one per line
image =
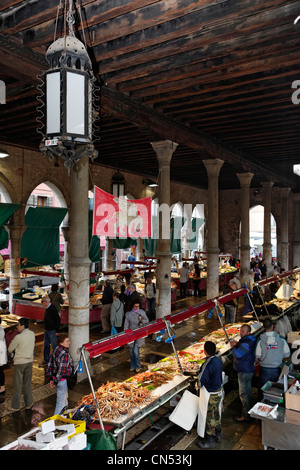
x=210 y=377
x=243 y=363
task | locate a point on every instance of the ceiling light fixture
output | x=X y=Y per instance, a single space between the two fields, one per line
x=69 y=86
x=150 y=183
x=3 y=153
x=296 y=169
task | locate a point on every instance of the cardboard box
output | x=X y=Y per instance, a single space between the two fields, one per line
x=292 y=401
x=293 y=336
x=292 y=417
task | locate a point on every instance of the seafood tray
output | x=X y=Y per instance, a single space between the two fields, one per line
x=146 y=400
x=159 y=396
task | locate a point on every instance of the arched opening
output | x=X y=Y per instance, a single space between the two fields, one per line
x=256 y=232
x=198 y=217
x=48 y=195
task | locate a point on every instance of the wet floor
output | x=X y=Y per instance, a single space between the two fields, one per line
x=115 y=367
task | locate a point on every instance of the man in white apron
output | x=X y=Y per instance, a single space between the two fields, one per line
x=210 y=381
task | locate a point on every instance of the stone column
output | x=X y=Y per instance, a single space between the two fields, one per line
x=15 y=235
x=284 y=228
x=213 y=167
x=245 y=180
x=296 y=237
x=267 y=245
x=79 y=262
x=66 y=233
x=164 y=151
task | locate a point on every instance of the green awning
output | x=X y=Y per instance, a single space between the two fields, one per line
x=150 y=246
x=124 y=243
x=40 y=241
x=3 y=238
x=196 y=225
x=176 y=225
x=94 y=242
x=6 y=211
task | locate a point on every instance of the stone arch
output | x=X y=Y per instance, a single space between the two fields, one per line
x=7 y=191
x=256 y=227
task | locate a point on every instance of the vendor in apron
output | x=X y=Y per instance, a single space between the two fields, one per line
x=210 y=381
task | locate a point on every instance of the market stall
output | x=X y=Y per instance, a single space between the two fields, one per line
x=225 y=274
x=123 y=404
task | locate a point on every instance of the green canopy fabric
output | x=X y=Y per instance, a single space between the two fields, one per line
x=196 y=225
x=6 y=211
x=94 y=242
x=40 y=241
x=124 y=243
x=150 y=245
x=176 y=226
x=3 y=238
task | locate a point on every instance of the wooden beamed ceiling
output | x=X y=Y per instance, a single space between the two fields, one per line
x=215 y=76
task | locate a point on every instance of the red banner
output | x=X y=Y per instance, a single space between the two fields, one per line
x=121 y=217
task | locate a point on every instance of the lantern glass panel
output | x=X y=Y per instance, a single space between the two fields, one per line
x=53 y=103
x=76 y=109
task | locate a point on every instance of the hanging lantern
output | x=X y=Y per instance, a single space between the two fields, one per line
x=69 y=90
x=118 y=185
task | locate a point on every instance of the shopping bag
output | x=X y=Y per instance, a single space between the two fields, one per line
x=101 y=440
x=72 y=381
x=113 y=331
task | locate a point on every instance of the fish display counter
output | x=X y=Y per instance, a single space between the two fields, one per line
x=123 y=404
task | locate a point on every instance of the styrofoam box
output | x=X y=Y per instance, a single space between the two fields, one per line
x=48 y=426
x=10 y=446
x=37 y=445
x=186 y=412
x=57 y=442
x=78 y=442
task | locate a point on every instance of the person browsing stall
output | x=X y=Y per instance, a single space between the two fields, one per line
x=270 y=351
x=117 y=313
x=51 y=327
x=135 y=318
x=107 y=300
x=243 y=362
x=59 y=368
x=22 y=346
x=150 y=293
x=56 y=298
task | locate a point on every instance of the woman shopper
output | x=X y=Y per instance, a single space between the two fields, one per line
x=134 y=318
x=117 y=313
x=60 y=366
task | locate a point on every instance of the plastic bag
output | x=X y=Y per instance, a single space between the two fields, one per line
x=72 y=381
x=113 y=331
x=101 y=440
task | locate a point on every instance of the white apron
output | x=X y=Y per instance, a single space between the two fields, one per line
x=3 y=353
x=202 y=411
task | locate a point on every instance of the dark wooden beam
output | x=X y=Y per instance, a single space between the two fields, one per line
x=124 y=108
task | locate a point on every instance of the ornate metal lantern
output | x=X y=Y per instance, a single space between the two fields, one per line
x=69 y=90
